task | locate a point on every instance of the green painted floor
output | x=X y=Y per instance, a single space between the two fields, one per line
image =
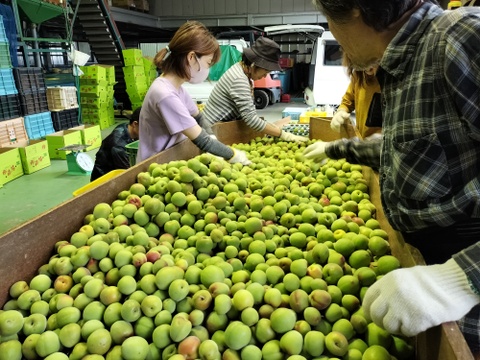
x=30 y=195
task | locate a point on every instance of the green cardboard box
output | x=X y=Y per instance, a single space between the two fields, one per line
x=93 y=72
x=61 y=139
x=131 y=72
x=132 y=57
x=91 y=135
x=109 y=73
x=10 y=165
x=34 y=156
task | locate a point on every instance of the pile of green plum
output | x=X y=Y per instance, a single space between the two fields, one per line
x=202 y=259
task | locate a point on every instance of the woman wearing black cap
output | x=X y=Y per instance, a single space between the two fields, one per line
x=232 y=96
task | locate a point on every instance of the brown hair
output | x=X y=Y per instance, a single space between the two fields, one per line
x=191 y=36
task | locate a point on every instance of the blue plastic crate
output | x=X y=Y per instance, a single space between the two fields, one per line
x=3 y=33
x=5 y=59
x=39 y=125
x=7 y=82
x=293 y=112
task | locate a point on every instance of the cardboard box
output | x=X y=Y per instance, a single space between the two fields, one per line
x=61 y=139
x=320 y=129
x=93 y=82
x=13 y=133
x=10 y=164
x=142 y=5
x=32 y=243
x=124 y=3
x=109 y=73
x=93 y=90
x=34 y=156
x=132 y=57
x=134 y=71
x=93 y=72
x=91 y=135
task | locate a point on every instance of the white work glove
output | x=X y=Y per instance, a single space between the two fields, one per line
x=287 y=136
x=239 y=156
x=411 y=300
x=339 y=119
x=316 y=151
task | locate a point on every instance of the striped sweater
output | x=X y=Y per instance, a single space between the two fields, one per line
x=231 y=99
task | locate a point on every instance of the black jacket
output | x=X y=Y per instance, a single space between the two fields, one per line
x=112 y=154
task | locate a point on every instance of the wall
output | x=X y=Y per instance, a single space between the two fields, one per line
x=192 y=8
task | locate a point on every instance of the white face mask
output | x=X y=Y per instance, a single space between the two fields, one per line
x=198 y=76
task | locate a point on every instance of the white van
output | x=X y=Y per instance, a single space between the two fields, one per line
x=327 y=78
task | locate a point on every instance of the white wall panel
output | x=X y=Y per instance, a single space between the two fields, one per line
x=220 y=7
x=252 y=6
x=264 y=7
x=188 y=8
x=241 y=7
x=230 y=6
x=198 y=7
x=209 y=6
x=177 y=7
x=236 y=12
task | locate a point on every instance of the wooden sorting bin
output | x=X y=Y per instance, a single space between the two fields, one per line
x=25 y=248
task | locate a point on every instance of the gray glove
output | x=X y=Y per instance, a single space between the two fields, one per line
x=287 y=136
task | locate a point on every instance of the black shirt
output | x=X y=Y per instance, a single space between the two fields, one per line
x=112 y=154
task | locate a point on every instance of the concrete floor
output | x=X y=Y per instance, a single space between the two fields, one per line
x=31 y=195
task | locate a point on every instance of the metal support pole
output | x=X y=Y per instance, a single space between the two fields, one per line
x=38 y=60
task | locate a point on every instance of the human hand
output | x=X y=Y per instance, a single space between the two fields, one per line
x=316 y=151
x=239 y=156
x=339 y=119
x=412 y=300
x=287 y=136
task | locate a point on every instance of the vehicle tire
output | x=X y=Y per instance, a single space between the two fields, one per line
x=261 y=99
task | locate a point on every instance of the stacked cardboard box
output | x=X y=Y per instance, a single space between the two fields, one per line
x=33 y=153
x=96 y=95
x=150 y=70
x=135 y=77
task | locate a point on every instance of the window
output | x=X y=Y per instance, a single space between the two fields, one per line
x=333 y=53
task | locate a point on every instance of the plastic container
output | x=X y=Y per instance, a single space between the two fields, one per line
x=39 y=125
x=10 y=107
x=3 y=34
x=7 y=82
x=64 y=119
x=132 y=150
x=286 y=98
x=62 y=98
x=29 y=79
x=33 y=102
x=5 y=59
x=99 y=181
